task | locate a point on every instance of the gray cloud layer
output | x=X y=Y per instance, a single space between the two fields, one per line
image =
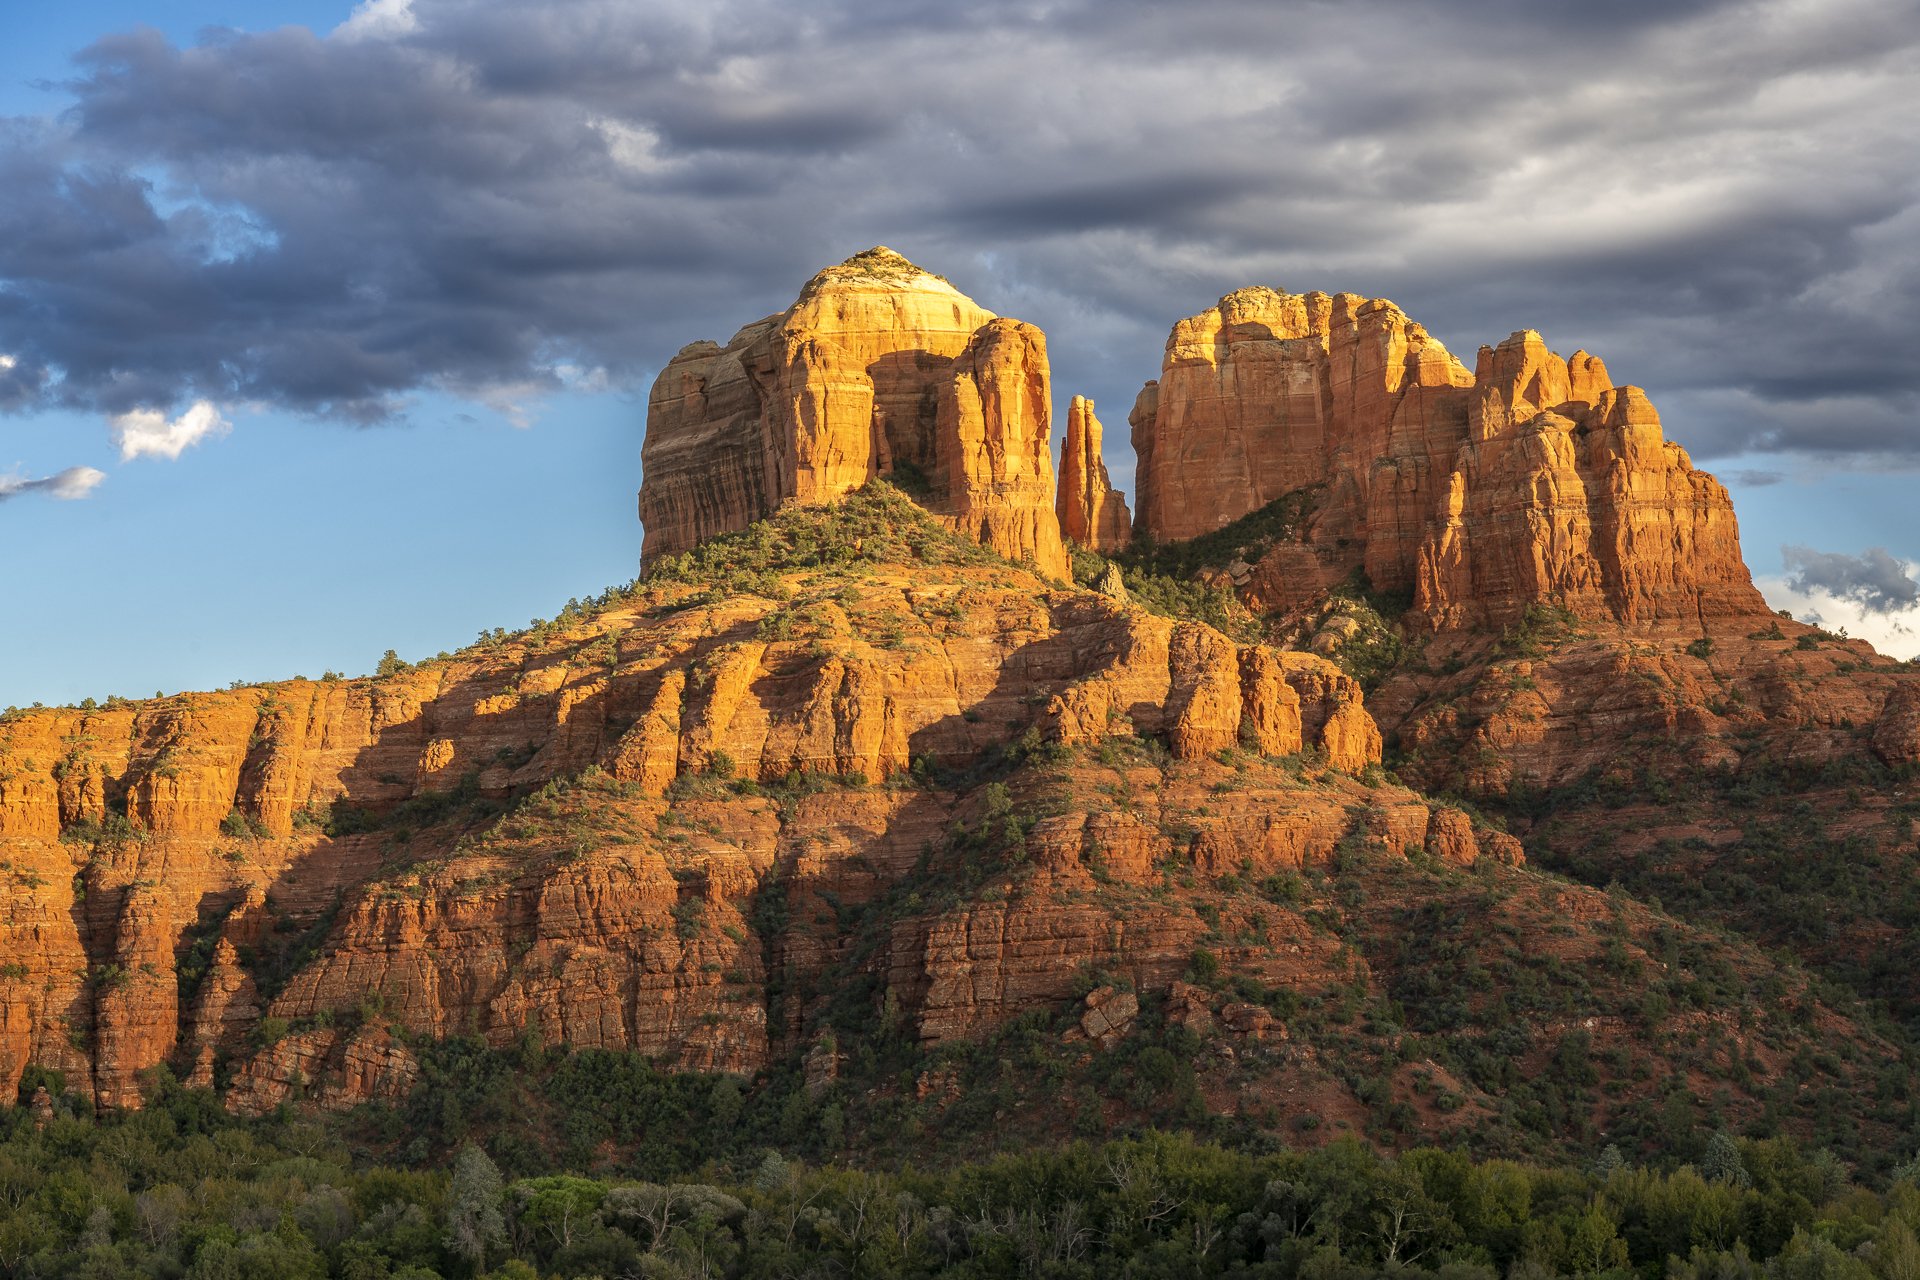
x=1873 y=579
x=1721 y=198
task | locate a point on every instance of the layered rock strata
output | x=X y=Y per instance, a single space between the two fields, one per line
x=1565 y=491
x=992 y=431
x=878 y=369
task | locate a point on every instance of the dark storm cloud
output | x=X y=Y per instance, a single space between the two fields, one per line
x=492 y=198
x=1873 y=579
x=1158 y=201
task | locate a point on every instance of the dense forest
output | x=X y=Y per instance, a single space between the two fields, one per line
x=184 y=1189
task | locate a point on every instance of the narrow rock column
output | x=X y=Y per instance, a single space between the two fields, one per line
x=1091 y=511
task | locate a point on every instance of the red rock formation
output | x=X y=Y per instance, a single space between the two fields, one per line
x=629 y=923
x=705 y=456
x=1268 y=393
x=1567 y=492
x=1091 y=511
x=857 y=379
x=1143 y=422
x=1532 y=481
x=993 y=434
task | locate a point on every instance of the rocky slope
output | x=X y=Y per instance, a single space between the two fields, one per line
x=878 y=369
x=841 y=785
x=1550 y=609
x=855 y=764
x=230 y=822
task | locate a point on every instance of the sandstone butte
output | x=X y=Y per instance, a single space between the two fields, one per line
x=277 y=887
x=878 y=369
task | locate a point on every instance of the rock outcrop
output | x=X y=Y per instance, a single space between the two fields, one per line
x=992 y=432
x=849 y=756
x=1566 y=492
x=1531 y=481
x=181 y=871
x=1092 y=512
x=878 y=369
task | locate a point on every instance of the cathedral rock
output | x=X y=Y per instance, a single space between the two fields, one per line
x=1532 y=479
x=879 y=369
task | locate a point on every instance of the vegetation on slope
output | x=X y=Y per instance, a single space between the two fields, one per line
x=1505 y=1009
x=1816 y=861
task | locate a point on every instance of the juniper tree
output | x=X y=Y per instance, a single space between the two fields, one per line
x=1722 y=1162
x=475 y=1221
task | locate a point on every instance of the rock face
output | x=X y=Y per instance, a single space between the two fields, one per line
x=1092 y=512
x=164 y=861
x=879 y=369
x=1566 y=492
x=1579 y=582
x=994 y=480
x=1532 y=480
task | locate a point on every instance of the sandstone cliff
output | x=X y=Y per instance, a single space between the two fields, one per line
x=1092 y=512
x=994 y=473
x=1566 y=492
x=1531 y=481
x=847 y=751
x=878 y=369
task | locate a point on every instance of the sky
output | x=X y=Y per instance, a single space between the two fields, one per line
x=327 y=328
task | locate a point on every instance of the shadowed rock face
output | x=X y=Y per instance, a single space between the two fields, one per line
x=878 y=368
x=1531 y=480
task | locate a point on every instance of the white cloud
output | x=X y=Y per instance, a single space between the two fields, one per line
x=70 y=485
x=1896 y=633
x=148 y=431
x=378 y=20
x=7 y=362
x=576 y=377
x=634 y=147
x=74 y=483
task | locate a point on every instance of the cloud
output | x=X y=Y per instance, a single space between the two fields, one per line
x=1895 y=633
x=150 y=433
x=21 y=385
x=1756 y=479
x=69 y=486
x=378 y=20
x=474 y=197
x=1873 y=580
